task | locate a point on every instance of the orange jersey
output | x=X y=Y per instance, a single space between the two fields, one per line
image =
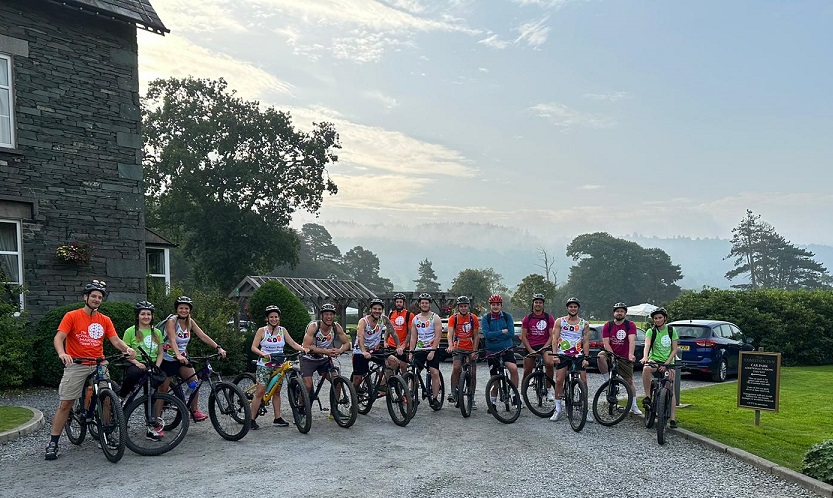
x=402 y=321
x=464 y=330
x=85 y=333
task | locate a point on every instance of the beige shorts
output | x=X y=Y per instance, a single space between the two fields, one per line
x=625 y=367
x=73 y=379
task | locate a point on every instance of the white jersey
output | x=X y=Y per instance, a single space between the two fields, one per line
x=425 y=331
x=570 y=340
x=272 y=342
x=372 y=335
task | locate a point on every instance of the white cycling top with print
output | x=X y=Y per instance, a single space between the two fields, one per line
x=425 y=331
x=570 y=341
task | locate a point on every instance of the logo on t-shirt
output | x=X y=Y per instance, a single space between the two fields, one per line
x=182 y=334
x=541 y=325
x=666 y=341
x=400 y=320
x=620 y=334
x=467 y=327
x=95 y=331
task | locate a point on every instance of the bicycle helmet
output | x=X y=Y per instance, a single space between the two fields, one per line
x=183 y=300
x=376 y=301
x=143 y=305
x=538 y=296
x=399 y=295
x=96 y=285
x=328 y=307
x=272 y=308
x=620 y=305
x=463 y=300
x=424 y=295
x=573 y=300
x=495 y=298
x=660 y=311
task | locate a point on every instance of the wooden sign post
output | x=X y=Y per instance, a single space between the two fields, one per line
x=759 y=381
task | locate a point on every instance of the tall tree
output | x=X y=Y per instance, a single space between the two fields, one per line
x=534 y=284
x=318 y=243
x=547 y=264
x=427 y=281
x=223 y=173
x=363 y=265
x=472 y=283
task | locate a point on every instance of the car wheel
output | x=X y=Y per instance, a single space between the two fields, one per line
x=719 y=375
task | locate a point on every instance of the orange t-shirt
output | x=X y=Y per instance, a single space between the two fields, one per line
x=464 y=330
x=399 y=319
x=85 y=333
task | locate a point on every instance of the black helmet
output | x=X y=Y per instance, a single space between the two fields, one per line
x=424 y=295
x=183 y=300
x=377 y=301
x=399 y=295
x=573 y=300
x=463 y=300
x=620 y=305
x=328 y=307
x=272 y=308
x=143 y=305
x=660 y=311
x=96 y=285
x=538 y=296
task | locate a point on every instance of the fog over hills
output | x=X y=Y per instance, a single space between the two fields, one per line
x=513 y=252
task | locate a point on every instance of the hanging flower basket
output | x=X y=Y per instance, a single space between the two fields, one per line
x=74 y=252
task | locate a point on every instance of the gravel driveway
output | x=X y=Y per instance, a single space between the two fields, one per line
x=437 y=454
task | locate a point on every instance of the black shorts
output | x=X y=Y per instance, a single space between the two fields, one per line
x=421 y=358
x=361 y=365
x=171 y=368
x=495 y=362
x=566 y=363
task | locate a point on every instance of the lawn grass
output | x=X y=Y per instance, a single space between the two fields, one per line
x=803 y=419
x=12 y=416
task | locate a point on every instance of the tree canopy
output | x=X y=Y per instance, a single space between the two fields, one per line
x=427 y=281
x=363 y=265
x=477 y=284
x=534 y=284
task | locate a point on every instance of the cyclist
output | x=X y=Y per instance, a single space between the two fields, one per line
x=426 y=331
x=318 y=341
x=618 y=337
x=536 y=333
x=177 y=336
x=142 y=335
x=372 y=333
x=463 y=335
x=569 y=337
x=81 y=334
x=661 y=347
x=268 y=340
x=499 y=333
x=402 y=319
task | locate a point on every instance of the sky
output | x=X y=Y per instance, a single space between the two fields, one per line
x=560 y=117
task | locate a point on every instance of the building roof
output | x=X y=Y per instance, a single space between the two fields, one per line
x=313 y=290
x=154 y=239
x=136 y=12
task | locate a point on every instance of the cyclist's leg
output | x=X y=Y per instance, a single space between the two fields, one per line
x=72 y=382
x=647 y=373
x=602 y=363
x=673 y=398
x=262 y=374
x=132 y=375
x=549 y=365
x=187 y=374
x=509 y=362
x=360 y=369
x=434 y=367
x=308 y=367
x=456 y=366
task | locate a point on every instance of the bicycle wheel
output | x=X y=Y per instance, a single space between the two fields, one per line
x=365 y=394
x=139 y=437
x=229 y=411
x=248 y=383
x=577 y=404
x=111 y=425
x=397 y=400
x=535 y=389
x=343 y=401
x=429 y=394
x=612 y=402
x=298 y=397
x=651 y=410
x=412 y=383
x=76 y=426
x=507 y=407
x=465 y=395
x=663 y=406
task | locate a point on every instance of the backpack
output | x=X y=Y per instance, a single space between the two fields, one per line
x=511 y=326
x=455 y=315
x=408 y=316
x=546 y=318
x=626 y=323
x=161 y=325
x=653 y=331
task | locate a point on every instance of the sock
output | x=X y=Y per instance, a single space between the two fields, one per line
x=558 y=405
x=54 y=439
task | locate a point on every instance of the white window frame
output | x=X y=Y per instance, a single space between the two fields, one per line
x=167 y=257
x=10 y=88
x=19 y=253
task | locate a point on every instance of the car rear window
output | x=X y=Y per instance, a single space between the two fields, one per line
x=595 y=333
x=692 y=331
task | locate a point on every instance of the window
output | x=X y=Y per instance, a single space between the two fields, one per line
x=6 y=102
x=159 y=266
x=11 y=258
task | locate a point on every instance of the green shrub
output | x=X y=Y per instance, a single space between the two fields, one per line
x=16 y=362
x=818 y=462
x=294 y=315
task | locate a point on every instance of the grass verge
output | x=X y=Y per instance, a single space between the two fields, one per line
x=803 y=419
x=12 y=416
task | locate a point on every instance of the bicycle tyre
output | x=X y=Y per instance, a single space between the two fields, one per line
x=465 y=395
x=577 y=405
x=535 y=389
x=229 y=411
x=298 y=397
x=76 y=426
x=508 y=407
x=248 y=383
x=136 y=422
x=412 y=383
x=397 y=401
x=651 y=411
x=111 y=434
x=662 y=414
x=344 y=406
x=365 y=394
x=428 y=394
x=607 y=411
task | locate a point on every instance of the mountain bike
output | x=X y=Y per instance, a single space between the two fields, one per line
x=614 y=397
x=574 y=392
x=465 y=389
x=507 y=405
x=536 y=388
x=415 y=383
x=228 y=407
x=343 y=398
x=98 y=409
x=396 y=391
x=286 y=370
x=662 y=388
x=148 y=411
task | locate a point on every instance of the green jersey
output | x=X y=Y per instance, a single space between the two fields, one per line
x=147 y=343
x=661 y=343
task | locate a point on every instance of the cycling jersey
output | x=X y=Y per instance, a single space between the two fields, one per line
x=147 y=344
x=464 y=328
x=570 y=341
x=273 y=342
x=425 y=331
x=321 y=339
x=182 y=338
x=402 y=321
x=372 y=335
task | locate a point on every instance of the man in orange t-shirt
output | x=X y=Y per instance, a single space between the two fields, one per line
x=83 y=330
x=401 y=319
x=463 y=328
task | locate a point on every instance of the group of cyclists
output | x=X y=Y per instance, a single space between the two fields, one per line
x=401 y=336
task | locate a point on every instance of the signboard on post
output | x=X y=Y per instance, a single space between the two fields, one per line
x=759 y=381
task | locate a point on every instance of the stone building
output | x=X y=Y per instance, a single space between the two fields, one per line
x=70 y=147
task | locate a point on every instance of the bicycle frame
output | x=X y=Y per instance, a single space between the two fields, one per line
x=206 y=373
x=286 y=370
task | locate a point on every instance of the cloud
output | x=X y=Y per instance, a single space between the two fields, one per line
x=609 y=97
x=209 y=16
x=386 y=101
x=533 y=33
x=566 y=118
x=494 y=42
x=483 y=69
x=591 y=187
x=554 y=4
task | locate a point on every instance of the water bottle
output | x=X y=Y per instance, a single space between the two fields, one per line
x=189 y=388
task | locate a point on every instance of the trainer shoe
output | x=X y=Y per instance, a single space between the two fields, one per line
x=635 y=409
x=556 y=416
x=473 y=405
x=51 y=451
x=155 y=433
x=280 y=422
x=590 y=418
x=199 y=416
x=646 y=403
x=452 y=396
x=550 y=395
x=672 y=424
x=253 y=425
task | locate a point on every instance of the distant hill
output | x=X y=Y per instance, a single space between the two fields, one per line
x=513 y=253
